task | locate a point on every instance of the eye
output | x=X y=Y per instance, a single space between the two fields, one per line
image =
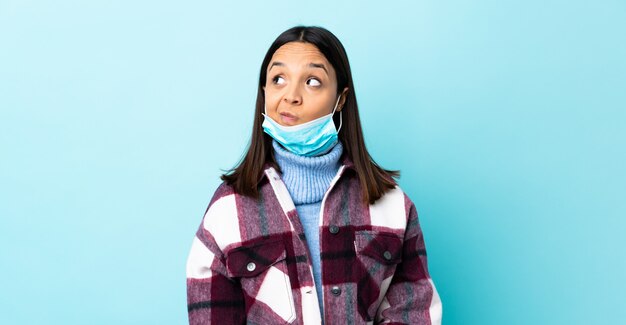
x=278 y=80
x=314 y=82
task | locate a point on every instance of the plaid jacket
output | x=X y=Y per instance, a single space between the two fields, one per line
x=249 y=262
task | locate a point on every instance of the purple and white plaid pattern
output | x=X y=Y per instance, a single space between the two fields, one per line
x=249 y=261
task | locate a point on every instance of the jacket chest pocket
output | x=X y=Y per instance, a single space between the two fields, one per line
x=261 y=268
x=378 y=254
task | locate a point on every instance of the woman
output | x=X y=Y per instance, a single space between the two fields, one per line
x=308 y=229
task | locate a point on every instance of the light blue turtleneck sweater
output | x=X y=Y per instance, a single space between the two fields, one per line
x=308 y=179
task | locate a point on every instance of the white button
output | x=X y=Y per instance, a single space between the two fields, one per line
x=387 y=255
x=251 y=266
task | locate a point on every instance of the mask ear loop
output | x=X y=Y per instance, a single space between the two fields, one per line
x=340 y=121
x=340 y=115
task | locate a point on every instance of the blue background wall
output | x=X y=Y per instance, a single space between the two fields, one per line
x=506 y=118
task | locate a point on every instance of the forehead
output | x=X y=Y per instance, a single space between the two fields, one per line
x=299 y=53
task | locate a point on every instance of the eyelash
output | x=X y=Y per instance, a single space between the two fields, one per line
x=275 y=79
x=320 y=82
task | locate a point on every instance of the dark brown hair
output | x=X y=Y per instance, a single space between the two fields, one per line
x=375 y=180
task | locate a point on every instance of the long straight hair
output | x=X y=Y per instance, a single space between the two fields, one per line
x=375 y=181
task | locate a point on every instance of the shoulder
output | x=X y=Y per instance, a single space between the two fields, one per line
x=220 y=220
x=223 y=191
x=394 y=199
x=393 y=210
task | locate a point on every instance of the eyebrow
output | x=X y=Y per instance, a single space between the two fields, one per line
x=311 y=65
x=318 y=65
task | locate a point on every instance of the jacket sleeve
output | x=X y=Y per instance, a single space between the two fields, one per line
x=212 y=296
x=412 y=297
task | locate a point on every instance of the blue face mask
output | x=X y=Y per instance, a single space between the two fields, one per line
x=312 y=138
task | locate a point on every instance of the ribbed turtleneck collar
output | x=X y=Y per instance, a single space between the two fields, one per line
x=307 y=178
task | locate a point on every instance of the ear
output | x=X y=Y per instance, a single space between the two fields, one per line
x=342 y=101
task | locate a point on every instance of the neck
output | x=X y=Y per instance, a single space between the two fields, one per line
x=307 y=178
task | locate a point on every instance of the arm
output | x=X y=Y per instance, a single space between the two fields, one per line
x=212 y=297
x=412 y=297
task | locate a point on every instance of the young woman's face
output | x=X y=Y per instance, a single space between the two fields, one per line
x=301 y=85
